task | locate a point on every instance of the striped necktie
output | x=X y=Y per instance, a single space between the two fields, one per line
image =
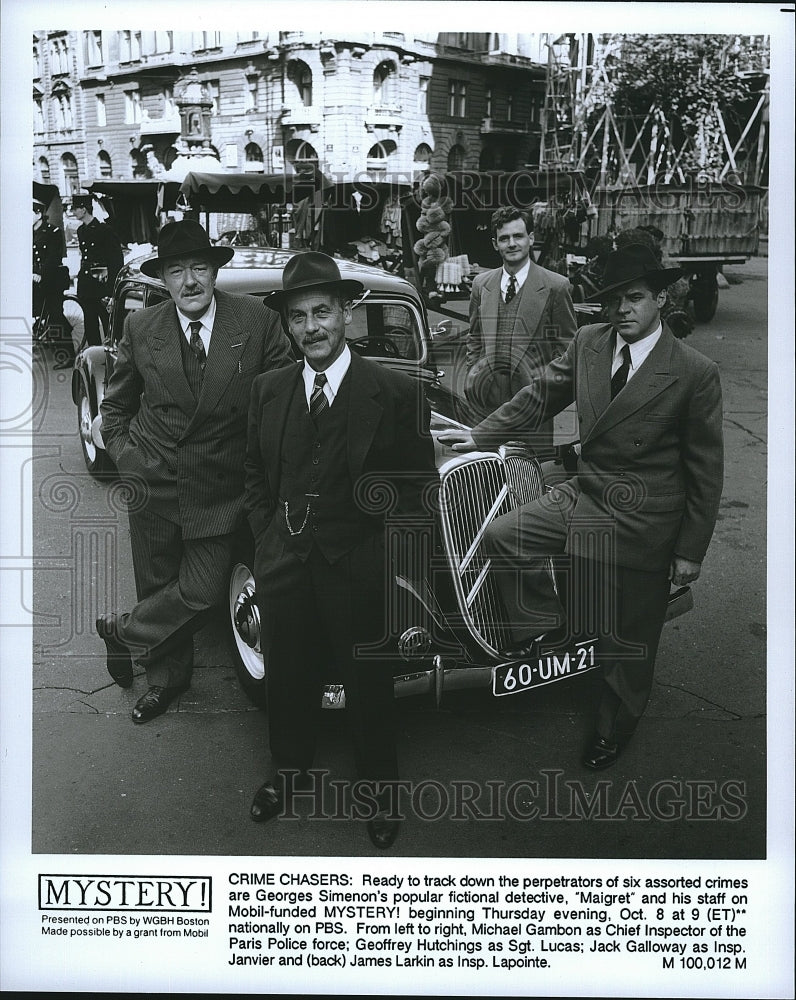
x=318 y=400
x=619 y=378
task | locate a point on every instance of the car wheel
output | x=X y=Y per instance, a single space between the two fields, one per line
x=97 y=462
x=245 y=626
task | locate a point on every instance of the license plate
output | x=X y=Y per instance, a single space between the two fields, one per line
x=547 y=667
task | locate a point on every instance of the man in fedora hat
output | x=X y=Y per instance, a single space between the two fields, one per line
x=174 y=422
x=647 y=487
x=326 y=440
x=101 y=259
x=521 y=317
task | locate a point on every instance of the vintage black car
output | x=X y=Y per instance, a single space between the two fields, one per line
x=445 y=629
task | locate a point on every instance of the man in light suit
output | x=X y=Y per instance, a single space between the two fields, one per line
x=174 y=422
x=648 y=484
x=326 y=439
x=521 y=317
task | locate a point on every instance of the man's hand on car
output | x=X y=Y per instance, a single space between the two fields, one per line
x=457 y=440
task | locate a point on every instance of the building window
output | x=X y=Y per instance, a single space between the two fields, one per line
x=44 y=170
x=132 y=107
x=104 y=165
x=509 y=107
x=385 y=84
x=423 y=154
x=92 y=48
x=456 y=158
x=36 y=61
x=59 y=56
x=164 y=41
x=489 y=102
x=62 y=103
x=422 y=95
x=70 y=178
x=38 y=115
x=207 y=40
x=254 y=158
x=101 y=120
x=457 y=99
x=248 y=36
x=129 y=46
x=214 y=92
x=300 y=75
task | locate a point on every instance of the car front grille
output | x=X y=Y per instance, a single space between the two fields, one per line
x=473 y=492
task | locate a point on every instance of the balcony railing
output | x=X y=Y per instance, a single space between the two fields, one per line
x=301 y=115
x=492 y=126
x=385 y=114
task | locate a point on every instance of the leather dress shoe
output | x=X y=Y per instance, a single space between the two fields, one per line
x=119 y=662
x=383 y=831
x=268 y=802
x=600 y=754
x=155 y=702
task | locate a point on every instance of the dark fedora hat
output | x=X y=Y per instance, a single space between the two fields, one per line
x=634 y=262
x=185 y=239
x=312 y=269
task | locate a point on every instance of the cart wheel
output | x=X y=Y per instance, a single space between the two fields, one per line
x=705 y=293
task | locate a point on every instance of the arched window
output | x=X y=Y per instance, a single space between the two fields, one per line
x=379 y=154
x=385 y=84
x=423 y=154
x=254 y=158
x=300 y=75
x=456 y=158
x=104 y=164
x=305 y=151
x=70 y=180
x=301 y=156
x=44 y=170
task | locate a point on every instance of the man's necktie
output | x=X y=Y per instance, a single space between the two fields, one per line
x=197 y=346
x=318 y=400
x=511 y=291
x=619 y=378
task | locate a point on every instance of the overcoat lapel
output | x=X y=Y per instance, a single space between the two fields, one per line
x=652 y=378
x=164 y=340
x=273 y=418
x=490 y=304
x=227 y=344
x=364 y=414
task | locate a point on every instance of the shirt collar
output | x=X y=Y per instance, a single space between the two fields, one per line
x=207 y=320
x=640 y=348
x=335 y=373
x=519 y=277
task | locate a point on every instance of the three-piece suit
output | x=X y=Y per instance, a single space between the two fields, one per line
x=647 y=488
x=179 y=441
x=509 y=344
x=319 y=491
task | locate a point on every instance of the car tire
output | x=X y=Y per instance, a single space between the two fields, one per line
x=97 y=461
x=244 y=620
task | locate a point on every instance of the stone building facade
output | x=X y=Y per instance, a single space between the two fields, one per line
x=388 y=104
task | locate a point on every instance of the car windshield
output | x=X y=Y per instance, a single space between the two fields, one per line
x=385 y=330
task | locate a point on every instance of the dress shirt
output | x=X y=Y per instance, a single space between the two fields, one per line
x=206 y=320
x=519 y=277
x=638 y=351
x=335 y=374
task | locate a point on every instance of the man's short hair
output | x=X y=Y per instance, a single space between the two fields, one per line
x=508 y=214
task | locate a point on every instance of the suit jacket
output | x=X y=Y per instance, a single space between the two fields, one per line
x=544 y=326
x=651 y=460
x=187 y=453
x=388 y=439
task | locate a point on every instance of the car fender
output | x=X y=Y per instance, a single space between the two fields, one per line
x=90 y=371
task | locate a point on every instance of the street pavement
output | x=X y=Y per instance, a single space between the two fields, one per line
x=182 y=784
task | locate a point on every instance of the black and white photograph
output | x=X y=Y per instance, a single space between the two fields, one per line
x=397 y=539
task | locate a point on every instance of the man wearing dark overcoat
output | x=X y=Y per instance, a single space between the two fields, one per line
x=521 y=317
x=174 y=423
x=649 y=478
x=325 y=439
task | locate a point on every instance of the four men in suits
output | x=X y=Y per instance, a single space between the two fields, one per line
x=521 y=317
x=646 y=494
x=174 y=423
x=328 y=440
